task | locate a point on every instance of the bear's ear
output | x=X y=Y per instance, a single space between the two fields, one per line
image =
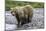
x=11 y=11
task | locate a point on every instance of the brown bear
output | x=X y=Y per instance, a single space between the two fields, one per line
x=23 y=14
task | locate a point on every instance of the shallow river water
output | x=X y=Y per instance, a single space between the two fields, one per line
x=37 y=21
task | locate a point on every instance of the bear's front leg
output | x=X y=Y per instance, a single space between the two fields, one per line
x=23 y=21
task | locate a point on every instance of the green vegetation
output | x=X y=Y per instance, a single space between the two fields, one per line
x=10 y=4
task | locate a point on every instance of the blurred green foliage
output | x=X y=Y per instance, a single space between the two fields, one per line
x=9 y=4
